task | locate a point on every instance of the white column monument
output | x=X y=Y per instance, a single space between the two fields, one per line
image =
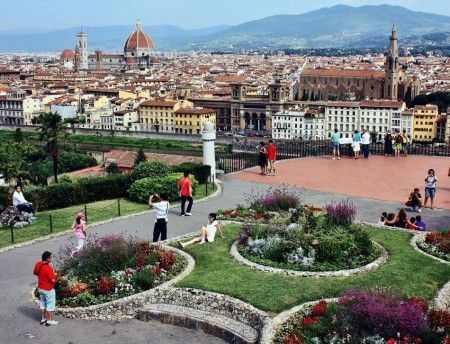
x=209 y=155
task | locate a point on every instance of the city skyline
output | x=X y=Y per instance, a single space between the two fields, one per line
x=54 y=14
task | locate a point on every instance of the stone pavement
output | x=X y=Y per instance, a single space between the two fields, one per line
x=379 y=177
x=20 y=316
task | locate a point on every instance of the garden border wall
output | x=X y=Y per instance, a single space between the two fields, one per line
x=413 y=243
x=371 y=266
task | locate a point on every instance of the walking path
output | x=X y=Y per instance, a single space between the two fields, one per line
x=20 y=316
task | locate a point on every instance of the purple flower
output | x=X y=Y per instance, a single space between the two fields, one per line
x=341 y=213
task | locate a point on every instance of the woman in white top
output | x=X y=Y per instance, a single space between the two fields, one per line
x=20 y=202
x=207 y=233
x=161 y=211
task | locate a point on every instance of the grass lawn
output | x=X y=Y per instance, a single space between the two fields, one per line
x=62 y=219
x=406 y=270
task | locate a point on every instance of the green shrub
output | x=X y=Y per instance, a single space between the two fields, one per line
x=4 y=196
x=81 y=191
x=150 y=169
x=199 y=171
x=141 y=189
x=144 y=279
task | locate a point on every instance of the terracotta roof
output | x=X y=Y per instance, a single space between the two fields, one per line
x=160 y=103
x=67 y=54
x=342 y=104
x=344 y=73
x=194 y=111
x=382 y=103
x=88 y=172
x=138 y=40
x=125 y=159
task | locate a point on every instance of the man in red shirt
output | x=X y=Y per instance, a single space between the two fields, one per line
x=272 y=157
x=185 y=190
x=46 y=287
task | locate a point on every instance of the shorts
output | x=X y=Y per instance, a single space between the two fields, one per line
x=47 y=299
x=80 y=245
x=398 y=146
x=336 y=145
x=430 y=192
x=272 y=164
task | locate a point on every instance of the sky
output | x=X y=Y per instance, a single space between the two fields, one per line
x=60 y=14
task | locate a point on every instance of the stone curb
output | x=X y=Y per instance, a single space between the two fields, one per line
x=371 y=266
x=216 y=193
x=442 y=300
x=413 y=243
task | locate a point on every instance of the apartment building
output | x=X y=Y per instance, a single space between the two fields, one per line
x=159 y=115
x=192 y=120
x=425 y=117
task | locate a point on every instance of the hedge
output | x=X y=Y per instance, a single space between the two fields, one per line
x=150 y=169
x=82 y=191
x=141 y=189
x=199 y=171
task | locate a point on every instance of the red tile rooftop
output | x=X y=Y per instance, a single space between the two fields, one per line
x=350 y=73
x=159 y=103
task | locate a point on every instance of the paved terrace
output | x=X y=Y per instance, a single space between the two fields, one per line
x=20 y=316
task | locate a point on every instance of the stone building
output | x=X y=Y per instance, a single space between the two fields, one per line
x=137 y=53
x=349 y=84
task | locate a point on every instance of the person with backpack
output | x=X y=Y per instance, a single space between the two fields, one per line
x=161 y=212
x=46 y=288
x=185 y=192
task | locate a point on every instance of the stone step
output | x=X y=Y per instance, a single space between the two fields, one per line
x=217 y=325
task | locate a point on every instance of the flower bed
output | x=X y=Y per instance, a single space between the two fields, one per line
x=437 y=244
x=306 y=240
x=375 y=317
x=110 y=267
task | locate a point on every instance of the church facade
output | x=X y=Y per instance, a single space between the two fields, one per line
x=350 y=84
x=137 y=53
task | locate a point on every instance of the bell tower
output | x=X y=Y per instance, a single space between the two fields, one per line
x=81 y=52
x=391 y=68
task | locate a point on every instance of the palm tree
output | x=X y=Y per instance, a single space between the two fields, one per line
x=53 y=132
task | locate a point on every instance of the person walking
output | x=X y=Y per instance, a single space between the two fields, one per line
x=46 y=288
x=161 y=211
x=262 y=158
x=388 y=151
x=430 y=187
x=185 y=191
x=79 y=229
x=335 y=143
x=272 y=157
x=356 y=143
x=365 y=143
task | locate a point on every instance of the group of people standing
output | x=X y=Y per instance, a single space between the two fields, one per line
x=396 y=144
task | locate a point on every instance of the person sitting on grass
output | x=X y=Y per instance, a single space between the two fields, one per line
x=207 y=233
x=400 y=221
x=389 y=219
x=412 y=224
x=421 y=223
x=382 y=219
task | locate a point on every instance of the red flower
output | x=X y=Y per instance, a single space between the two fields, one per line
x=78 y=288
x=156 y=270
x=141 y=260
x=440 y=318
x=166 y=259
x=105 y=285
x=320 y=309
x=293 y=338
x=391 y=341
x=419 y=302
x=309 y=320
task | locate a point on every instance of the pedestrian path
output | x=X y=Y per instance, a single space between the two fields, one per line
x=20 y=316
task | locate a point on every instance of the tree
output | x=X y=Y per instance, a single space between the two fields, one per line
x=112 y=168
x=13 y=159
x=18 y=136
x=140 y=156
x=53 y=132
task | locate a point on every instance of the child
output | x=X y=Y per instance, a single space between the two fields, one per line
x=415 y=201
x=80 y=231
x=382 y=219
x=207 y=233
x=420 y=223
x=389 y=218
x=412 y=224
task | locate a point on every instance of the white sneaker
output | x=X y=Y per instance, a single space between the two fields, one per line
x=52 y=322
x=420 y=210
x=43 y=321
x=188 y=214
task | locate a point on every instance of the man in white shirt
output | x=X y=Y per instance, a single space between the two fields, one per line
x=365 y=143
x=161 y=211
x=20 y=202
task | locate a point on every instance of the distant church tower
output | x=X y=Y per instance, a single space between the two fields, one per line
x=391 y=81
x=81 y=52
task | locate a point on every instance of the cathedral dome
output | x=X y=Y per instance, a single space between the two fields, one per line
x=67 y=54
x=139 y=40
